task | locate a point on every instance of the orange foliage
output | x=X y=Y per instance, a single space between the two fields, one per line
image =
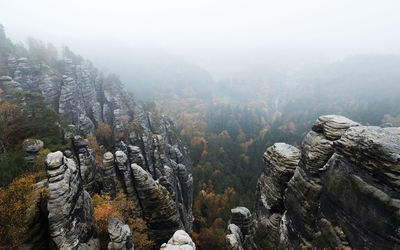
x=245 y=158
x=197 y=140
x=104 y=133
x=15 y=199
x=120 y=207
x=93 y=144
x=210 y=211
x=245 y=145
x=7 y=110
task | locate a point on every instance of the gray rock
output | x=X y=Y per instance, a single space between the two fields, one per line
x=77 y=91
x=241 y=217
x=158 y=206
x=120 y=235
x=233 y=238
x=333 y=126
x=280 y=162
x=71 y=224
x=32 y=148
x=179 y=241
x=343 y=193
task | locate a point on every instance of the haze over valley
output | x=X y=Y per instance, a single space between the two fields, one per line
x=210 y=125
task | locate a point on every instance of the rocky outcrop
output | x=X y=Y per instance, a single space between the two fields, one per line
x=179 y=241
x=233 y=238
x=86 y=158
x=241 y=217
x=280 y=162
x=32 y=148
x=158 y=206
x=86 y=97
x=120 y=235
x=343 y=193
x=70 y=218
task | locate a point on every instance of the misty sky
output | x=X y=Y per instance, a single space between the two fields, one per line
x=332 y=28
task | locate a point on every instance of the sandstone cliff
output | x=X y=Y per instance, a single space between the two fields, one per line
x=150 y=164
x=341 y=189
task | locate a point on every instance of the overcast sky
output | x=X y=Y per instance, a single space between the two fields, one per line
x=334 y=28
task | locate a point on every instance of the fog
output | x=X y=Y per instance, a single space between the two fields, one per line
x=220 y=36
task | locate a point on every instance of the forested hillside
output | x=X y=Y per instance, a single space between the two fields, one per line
x=227 y=134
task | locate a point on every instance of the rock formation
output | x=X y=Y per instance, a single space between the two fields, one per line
x=120 y=235
x=340 y=190
x=158 y=206
x=70 y=220
x=234 y=238
x=86 y=97
x=179 y=241
x=32 y=148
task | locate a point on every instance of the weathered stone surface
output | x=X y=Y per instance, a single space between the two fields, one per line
x=32 y=148
x=86 y=162
x=233 y=238
x=179 y=241
x=316 y=151
x=70 y=218
x=158 y=206
x=376 y=150
x=361 y=191
x=280 y=162
x=120 y=235
x=241 y=217
x=80 y=93
x=333 y=126
x=343 y=193
x=108 y=175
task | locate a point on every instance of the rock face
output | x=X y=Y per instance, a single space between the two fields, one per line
x=241 y=217
x=32 y=148
x=280 y=162
x=158 y=205
x=77 y=91
x=120 y=235
x=70 y=218
x=234 y=238
x=344 y=192
x=179 y=241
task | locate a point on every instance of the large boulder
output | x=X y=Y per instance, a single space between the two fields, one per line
x=179 y=241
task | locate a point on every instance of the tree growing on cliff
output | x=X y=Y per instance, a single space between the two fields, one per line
x=104 y=207
x=104 y=134
x=15 y=199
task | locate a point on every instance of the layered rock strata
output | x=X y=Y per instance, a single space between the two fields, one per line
x=120 y=235
x=70 y=220
x=344 y=192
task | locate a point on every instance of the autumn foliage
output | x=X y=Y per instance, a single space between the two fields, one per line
x=104 y=207
x=93 y=144
x=211 y=212
x=15 y=199
x=104 y=134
